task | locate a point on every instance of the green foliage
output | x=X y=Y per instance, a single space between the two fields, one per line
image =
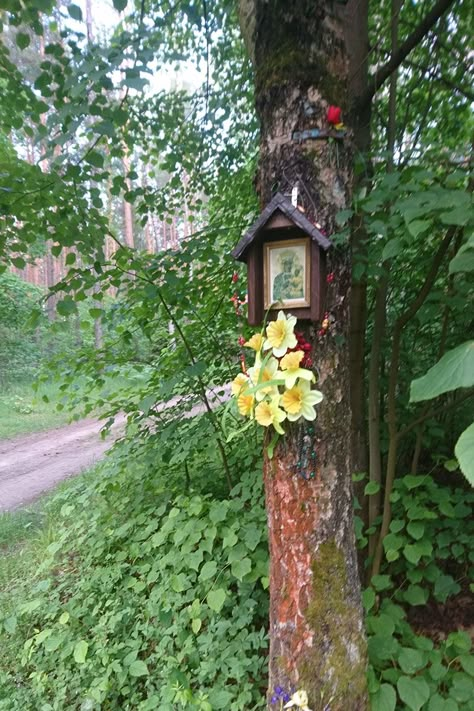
x=428 y=561
x=158 y=601
x=454 y=370
x=464 y=452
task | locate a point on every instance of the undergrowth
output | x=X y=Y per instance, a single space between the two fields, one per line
x=148 y=590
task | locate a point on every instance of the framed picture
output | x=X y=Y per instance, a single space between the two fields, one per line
x=286 y=274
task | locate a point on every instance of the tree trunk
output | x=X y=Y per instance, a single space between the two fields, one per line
x=317 y=640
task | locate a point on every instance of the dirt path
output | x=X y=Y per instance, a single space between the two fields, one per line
x=32 y=464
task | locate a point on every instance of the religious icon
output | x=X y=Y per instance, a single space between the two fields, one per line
x=286 y=273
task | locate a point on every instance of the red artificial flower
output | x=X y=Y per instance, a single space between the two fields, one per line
x=241 y=340
x=334 y=115
x=235 y=277
x=330 y=278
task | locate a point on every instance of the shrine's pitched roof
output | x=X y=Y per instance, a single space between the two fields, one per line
x=283 y=204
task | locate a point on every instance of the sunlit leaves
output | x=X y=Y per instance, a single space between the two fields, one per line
x=454 y=370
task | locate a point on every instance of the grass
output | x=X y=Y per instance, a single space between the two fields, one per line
x=23 y=411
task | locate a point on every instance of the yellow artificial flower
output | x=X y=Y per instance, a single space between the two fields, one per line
x=300 y=700
x=280 y=335
x=239 y=382
x=291 y=365
x=245 y=404
x=255 y=342
x=259 y=376
x=300 y=400
x=268 y=413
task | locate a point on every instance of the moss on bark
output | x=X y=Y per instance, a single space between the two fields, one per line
x=334 y=672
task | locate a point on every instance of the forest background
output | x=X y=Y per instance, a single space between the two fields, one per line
x=123 y=189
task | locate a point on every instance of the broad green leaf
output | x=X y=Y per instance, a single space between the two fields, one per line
x=120 y=5
x=416 y=595
x=384 y=699
x=75 y=12
x=208 y=570
x=414 y=692
x=240 y=568
x=138 y=668
x=392 y=249
x=418 y=226
x=445 y=586
x=411 y=660
x=381 y=582
x=464 y=452
x=64 y=618
x=437 y=703
x=416 y=529
x=464 y=259
x=216 y=599
x=80 y=651
x=22 y=40
x=454 y=370
x=371 y=488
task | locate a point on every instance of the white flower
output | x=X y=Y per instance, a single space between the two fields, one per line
x=300 y=700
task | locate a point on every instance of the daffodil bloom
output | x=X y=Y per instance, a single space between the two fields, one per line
x=245 y=404
x=300 y=700
x=259 y=375
x=255 y=342
x=268 y=413
x=239 y=382
x=291 y=365
x=300 y=400
x=280 y=335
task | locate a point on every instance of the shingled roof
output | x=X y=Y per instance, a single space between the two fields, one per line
x=284 y=205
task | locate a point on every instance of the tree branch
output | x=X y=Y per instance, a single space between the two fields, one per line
x=404 y=50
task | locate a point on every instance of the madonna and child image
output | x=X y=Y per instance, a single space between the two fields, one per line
x=287 y=274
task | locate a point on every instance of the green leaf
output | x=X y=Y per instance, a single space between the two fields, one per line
x=196 y=625
x=208 y=570
x=10 y=625
x=381 y=582
x=467 y=663
x=371 y=488
x=368 y=599
x=120 y=5
x=216 y=599
x=392 y=249
x=416 y=595
x=64 y=618
x=384 y=699
x=75 y=12
x=437 y=703
x=22 y=40
x=138 y=668
x=445 y=586
x=414 y=692
x=464 y=259
x=240 y=568
x=418 y=226
x=454 y=370
x=416 y=529
x=95 y=159
x=80 y=651
x=411 y=660
x=19 y=262
x=464 y=451
x=458 y=216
